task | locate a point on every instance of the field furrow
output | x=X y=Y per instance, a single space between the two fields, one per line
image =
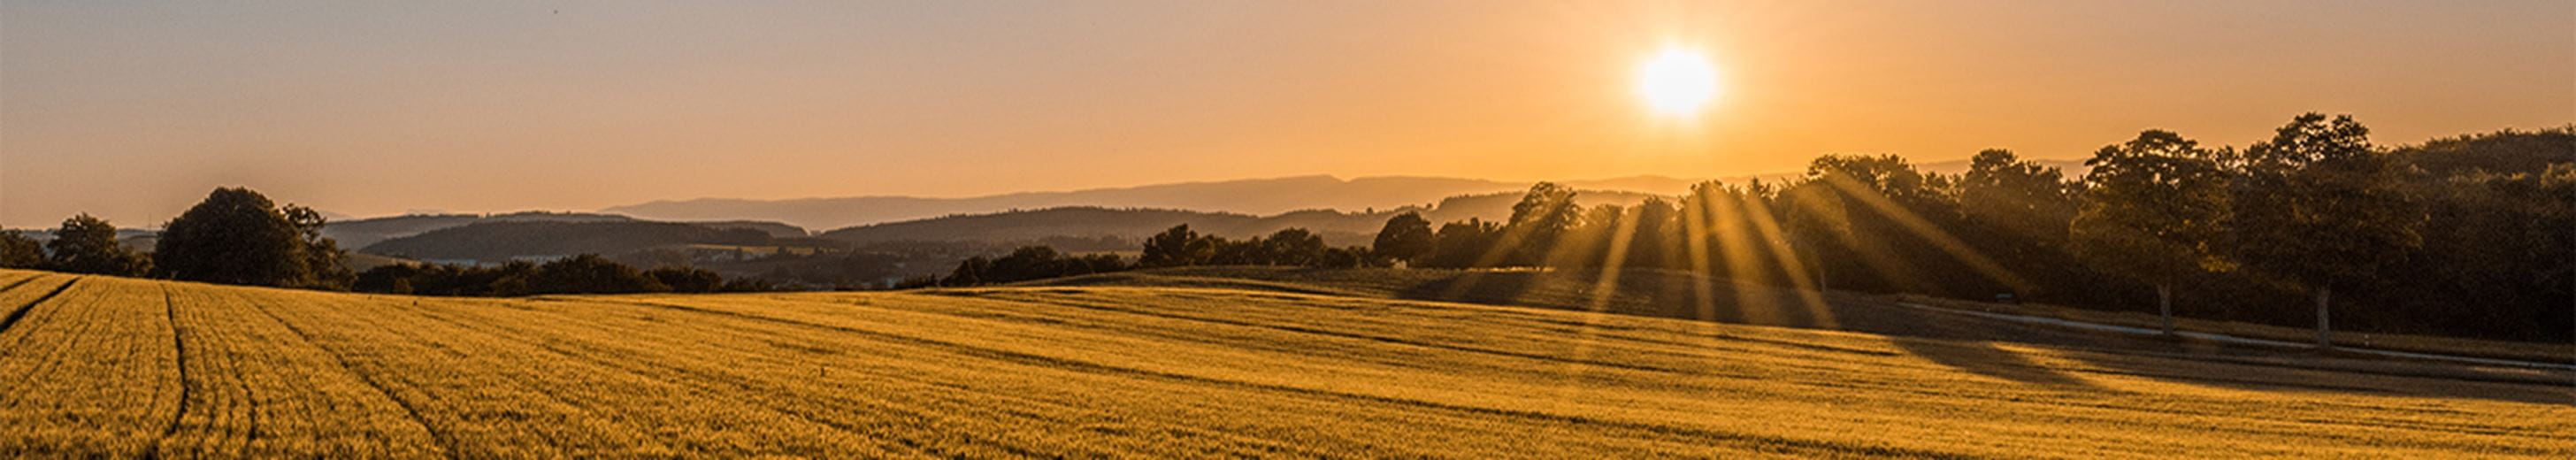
x=24 y=294
x=695 y=423
x=258 y=388
x=90 y=371
x=120 y=367
x=468 y=388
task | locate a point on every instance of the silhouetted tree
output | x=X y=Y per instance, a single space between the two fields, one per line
x=687 y=279
x=1587 y=243
x=390 y=279
x=1294 y=247
x=1248 y=251
x=1818 y=223
x=1029 y=263
x=1653 y=235
x=1406 y=237
x=2018 y=199
x=1176 y=247
x=1351 y=257
x=1733 y=231
x=237 y=236
x=2319 y=207
x=969 y=272
x=1539 y=221
x=323 y=258
x=2153 y=209
x=19 y=251
x=759 y=285
x=585 y=274
x=88 y=245
x=1464 y=244
x=590 y=274
x=513 y=278
x=2497 y=246
x=1904 y=226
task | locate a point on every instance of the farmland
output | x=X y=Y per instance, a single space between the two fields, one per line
x=127 y=367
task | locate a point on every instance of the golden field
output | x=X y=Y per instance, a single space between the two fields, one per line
x=127 y=367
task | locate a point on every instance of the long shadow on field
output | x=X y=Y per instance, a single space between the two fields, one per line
x=1984 y=358
x=1968 y=343
x=1671 y=295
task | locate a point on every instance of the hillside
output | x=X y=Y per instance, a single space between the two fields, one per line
x=500 y=241
x=1251 y=196
x=127 y=367
x=1247 y=196
x=1683 y=295
x=1337 y=227
x=360 y=233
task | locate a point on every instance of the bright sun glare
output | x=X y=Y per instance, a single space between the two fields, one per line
x=1677 y=82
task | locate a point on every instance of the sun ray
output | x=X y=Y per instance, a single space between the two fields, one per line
x=1605 y=285
x=1809 y=291
x=1920 y=227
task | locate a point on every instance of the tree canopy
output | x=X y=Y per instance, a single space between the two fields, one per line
x=237 y=236
x=87 y=244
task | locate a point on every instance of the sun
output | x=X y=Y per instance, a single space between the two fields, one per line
x=1676 y=82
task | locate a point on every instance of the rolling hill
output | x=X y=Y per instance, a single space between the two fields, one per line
x=1248 y=196
x=1253 y=196
x=131 y=368
x=360 y=233
x=1338 y=228
x=1689 y=296
x=500 y=241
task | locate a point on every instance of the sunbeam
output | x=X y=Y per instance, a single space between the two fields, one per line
x=1919 y=227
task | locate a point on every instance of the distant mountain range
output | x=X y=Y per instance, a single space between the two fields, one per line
x=1257 y=197
x=1344 y=211
x=547 y=235
x=1338 y=228
x=1250 y=196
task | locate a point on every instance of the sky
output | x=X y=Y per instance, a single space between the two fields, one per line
x=134 y=111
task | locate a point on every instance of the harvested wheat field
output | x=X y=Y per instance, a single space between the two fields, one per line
x=126 y=367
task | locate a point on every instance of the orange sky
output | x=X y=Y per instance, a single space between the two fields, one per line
x=134 y=111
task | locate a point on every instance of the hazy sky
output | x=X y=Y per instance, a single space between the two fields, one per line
x=135 y=111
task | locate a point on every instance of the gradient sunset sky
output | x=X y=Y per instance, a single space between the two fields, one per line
x=134 y=111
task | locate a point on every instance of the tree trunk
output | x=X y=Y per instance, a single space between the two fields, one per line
x=2324 y=340
x=2164 y=305
x=1820 y=275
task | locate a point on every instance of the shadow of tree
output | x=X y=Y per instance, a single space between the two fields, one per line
x=1971 y=344
x=1657 y=294
x=1984 y=358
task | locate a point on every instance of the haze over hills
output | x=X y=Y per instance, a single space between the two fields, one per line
x=1249 y=196
x=1090 y=228
x=1338 y=228
x=361 y=233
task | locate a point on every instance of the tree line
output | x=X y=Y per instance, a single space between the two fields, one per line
x=582 y=274
x=235 y=236
x=1175 y=247
x=2464 y=236
x=238 y=236
x=2467 y=236
x=2461 y=236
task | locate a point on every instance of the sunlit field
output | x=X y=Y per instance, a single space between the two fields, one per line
x=127 y=367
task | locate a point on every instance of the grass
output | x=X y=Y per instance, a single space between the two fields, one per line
x=1672 y=295
x=2526 y=351
x=125 y=367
